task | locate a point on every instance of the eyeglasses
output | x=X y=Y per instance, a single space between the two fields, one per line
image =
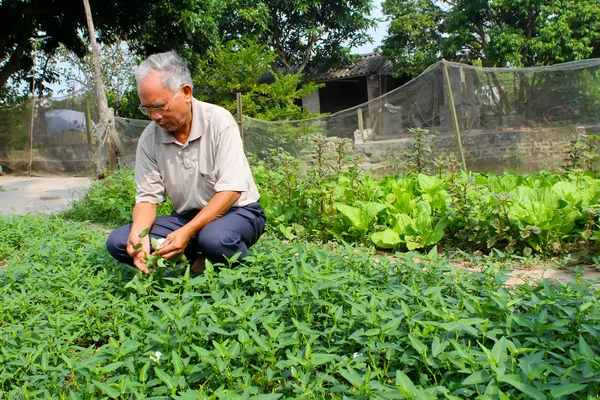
x=148 y=111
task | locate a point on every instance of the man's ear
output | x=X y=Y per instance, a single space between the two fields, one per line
x=187 y=93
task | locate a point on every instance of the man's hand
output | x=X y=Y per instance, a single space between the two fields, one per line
x=175 y=243
x=139 y=255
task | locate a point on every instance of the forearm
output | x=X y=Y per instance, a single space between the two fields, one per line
x=215 y=209
x=143 y=216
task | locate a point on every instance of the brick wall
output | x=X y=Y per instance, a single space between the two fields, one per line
x=519 y=150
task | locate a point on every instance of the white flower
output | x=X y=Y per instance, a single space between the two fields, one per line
x=355 y=355
x=156 y=356
x=160 y=241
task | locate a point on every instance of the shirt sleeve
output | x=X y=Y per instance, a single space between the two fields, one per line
x=149 y=183
x=231 y=162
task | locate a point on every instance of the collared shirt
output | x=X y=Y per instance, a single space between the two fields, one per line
x=191 y=173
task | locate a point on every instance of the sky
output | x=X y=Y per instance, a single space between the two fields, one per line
x=377 y=33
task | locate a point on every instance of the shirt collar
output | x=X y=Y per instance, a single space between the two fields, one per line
x=196 y=130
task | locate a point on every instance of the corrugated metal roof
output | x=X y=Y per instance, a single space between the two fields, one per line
x=369 y=64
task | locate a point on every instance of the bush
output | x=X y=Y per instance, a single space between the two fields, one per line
x=110 y=201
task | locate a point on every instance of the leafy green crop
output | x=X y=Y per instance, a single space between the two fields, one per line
x=292 y=321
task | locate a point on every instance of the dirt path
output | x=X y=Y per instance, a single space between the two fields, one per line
x=24 y=194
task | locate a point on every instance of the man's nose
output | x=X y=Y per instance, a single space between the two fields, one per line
x=155 y=116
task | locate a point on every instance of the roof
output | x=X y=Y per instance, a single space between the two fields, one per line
x=369 y=64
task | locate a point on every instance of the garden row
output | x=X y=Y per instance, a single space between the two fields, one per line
x=321 y=198
x=292 y=321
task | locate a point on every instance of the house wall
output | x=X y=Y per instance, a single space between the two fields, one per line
x=312 y=102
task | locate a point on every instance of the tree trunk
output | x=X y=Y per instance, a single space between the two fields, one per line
x=106 y=130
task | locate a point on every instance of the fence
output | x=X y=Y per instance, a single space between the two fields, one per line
x=520 y=118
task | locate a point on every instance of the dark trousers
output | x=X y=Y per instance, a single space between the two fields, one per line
x=233 y=233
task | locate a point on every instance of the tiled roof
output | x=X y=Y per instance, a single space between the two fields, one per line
x=369 y=64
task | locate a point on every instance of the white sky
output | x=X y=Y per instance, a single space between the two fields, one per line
x=378 y=33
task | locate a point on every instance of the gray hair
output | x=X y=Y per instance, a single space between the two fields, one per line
x=174 y=72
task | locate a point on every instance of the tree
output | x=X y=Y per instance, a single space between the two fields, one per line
x=54 y=22
x=117 y=65
x=304 y=33
x=245 y=67
x=189 y=27
x=500 y=33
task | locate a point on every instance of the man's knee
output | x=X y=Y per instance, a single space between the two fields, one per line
x=116 y=244
x=219 y=245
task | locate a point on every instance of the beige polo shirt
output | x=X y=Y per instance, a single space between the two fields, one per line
x=191 y=173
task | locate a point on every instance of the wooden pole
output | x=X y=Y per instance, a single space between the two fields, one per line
x=361 y=127
x=32 y=108
x=240 y=114
x=107 y=126
x=454 y=116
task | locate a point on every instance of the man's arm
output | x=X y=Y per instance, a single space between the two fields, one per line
x=216 y=207
x=143 y=215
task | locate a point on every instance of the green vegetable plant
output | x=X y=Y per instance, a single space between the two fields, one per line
x=157 y=262
x=293 y=320
x=416 y=231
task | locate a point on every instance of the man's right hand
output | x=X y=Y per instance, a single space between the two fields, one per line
x=139 y=255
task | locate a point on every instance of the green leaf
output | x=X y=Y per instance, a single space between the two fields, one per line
x=564 y=390
x=387 y=239
x=585 y=349
x=322 y=358
x=352 y=213
x=108 y=390
x=166 y=378
x=144 y=233
x=463 y=324
x=437 y=347
x=404 y=383
x=352 y=376
x=515 y=381
x=417 y=344
x=477 y=377
x=177 y=363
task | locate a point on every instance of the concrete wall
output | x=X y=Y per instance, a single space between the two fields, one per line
x=519 y=150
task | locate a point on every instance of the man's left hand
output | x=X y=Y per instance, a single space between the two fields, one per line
x=174 y=244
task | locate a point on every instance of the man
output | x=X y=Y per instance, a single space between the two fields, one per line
x=192 y=152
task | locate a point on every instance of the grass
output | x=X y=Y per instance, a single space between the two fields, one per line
x=293 y=321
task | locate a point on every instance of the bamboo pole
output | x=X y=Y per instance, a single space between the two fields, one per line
x=240 y=113
x=32 y=108
x=454 y=116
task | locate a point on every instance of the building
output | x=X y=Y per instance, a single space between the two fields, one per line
x=347 y=87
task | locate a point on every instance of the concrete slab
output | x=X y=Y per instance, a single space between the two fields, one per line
x=24 y=194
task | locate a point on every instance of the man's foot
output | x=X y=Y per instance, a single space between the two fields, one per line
x=199 y=265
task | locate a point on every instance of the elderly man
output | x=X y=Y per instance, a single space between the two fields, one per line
x=192 y=152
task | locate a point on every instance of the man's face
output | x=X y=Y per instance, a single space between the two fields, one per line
x=153 y=95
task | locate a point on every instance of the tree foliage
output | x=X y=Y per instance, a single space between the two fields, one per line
x=246 y=67
x=495 y=33
x=304 y=33
x=52 y=22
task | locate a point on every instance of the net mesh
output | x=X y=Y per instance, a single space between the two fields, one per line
x=60 y=139
x=506 y=118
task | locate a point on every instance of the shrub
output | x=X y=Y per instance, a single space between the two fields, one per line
x=110 y=201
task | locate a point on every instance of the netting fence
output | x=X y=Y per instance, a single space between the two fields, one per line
x=503 y=118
